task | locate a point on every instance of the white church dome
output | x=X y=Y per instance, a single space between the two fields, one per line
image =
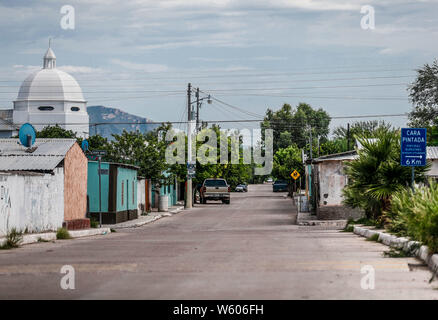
x=51 y=97
x=50 y=83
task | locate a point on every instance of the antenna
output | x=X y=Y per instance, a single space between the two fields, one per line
x=50 y=42
x=27 y=135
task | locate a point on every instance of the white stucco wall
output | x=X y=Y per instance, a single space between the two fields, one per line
x=32 y=202
x=332 y=180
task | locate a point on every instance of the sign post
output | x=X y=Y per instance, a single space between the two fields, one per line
x=295 y=175
x=413 y=149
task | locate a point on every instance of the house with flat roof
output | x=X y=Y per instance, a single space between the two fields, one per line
x=44 y=187
x=330 y=180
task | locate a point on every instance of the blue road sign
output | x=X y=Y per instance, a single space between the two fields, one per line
x=413 y=147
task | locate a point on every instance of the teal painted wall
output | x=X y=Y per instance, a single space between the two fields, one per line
x=169 y=191
x=126 y=179
x=93 y=186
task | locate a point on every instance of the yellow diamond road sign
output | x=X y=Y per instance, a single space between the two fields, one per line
x=295 y=174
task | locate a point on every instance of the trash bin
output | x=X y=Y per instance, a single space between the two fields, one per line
x=304 y=204
x=163 y=204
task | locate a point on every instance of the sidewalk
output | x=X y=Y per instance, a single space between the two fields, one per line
x=309 y=219
x=142 y=220
x=106 y=228
x=51 y=236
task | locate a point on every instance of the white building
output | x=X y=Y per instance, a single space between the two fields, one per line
x=51 y=97
x=330 y=180
x=44 y=188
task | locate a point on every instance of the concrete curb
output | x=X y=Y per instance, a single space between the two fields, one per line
x=89 y=232
x=153 y=218
x=139 y=223
x=401 y=243
x=51 y=236
x=177 y=210
x=336 y=224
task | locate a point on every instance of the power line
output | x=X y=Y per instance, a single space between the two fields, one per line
x=232 y=74
x=318 y=97
x=226 y=82
x=224 y=121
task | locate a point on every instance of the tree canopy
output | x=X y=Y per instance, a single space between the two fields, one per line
x=291 y=125
x=423 y=93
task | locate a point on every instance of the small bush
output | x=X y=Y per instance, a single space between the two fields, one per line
x=396 y=253
x=415 y=214
x=348 y=228
x=13 y=239
x=374 y=237
x=94 y=223
x=62 y=233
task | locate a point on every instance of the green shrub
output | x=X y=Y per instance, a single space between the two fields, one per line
x=62 y=233
x=348 y=228
x=13 y=239
x=94 y=223
x=415 y=214
x=374 y=237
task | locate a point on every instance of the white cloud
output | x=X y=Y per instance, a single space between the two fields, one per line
x=81 y=69
x=140 y=66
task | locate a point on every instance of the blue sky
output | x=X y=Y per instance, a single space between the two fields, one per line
x=139 y=55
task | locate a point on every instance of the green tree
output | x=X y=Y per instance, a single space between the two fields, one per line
x=333 y=146
x=285 y=161
x=233 y=173
x=290 y=126
x=424 y=96
x=145 y=150
x=55 y=132
x=360 y=128
x=376 y=175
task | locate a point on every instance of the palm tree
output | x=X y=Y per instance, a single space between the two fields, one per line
x=376 y=175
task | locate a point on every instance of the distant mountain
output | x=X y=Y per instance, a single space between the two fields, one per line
x=113 y=116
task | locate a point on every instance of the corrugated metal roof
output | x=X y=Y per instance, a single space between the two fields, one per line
x=348 y=155
x=48 y=154
x=6 y=125
x=6 y=120
x=432 y=153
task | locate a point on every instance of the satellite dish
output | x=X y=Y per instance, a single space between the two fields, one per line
x=27 y=135
x=84 y=145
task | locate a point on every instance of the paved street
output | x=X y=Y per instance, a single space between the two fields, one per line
x=250 y=249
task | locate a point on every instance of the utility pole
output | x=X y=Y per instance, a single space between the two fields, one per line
x=319 y=146
x=189 y=196
x=311 y=156
x=348 y=136
x=197 y=109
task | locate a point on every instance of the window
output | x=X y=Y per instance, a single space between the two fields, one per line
x=75 y=109
x=45 y=108
x=215 y=183
x=123 y=191
x=133 y=192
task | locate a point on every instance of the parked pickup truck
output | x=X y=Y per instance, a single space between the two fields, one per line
x=215 y=189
